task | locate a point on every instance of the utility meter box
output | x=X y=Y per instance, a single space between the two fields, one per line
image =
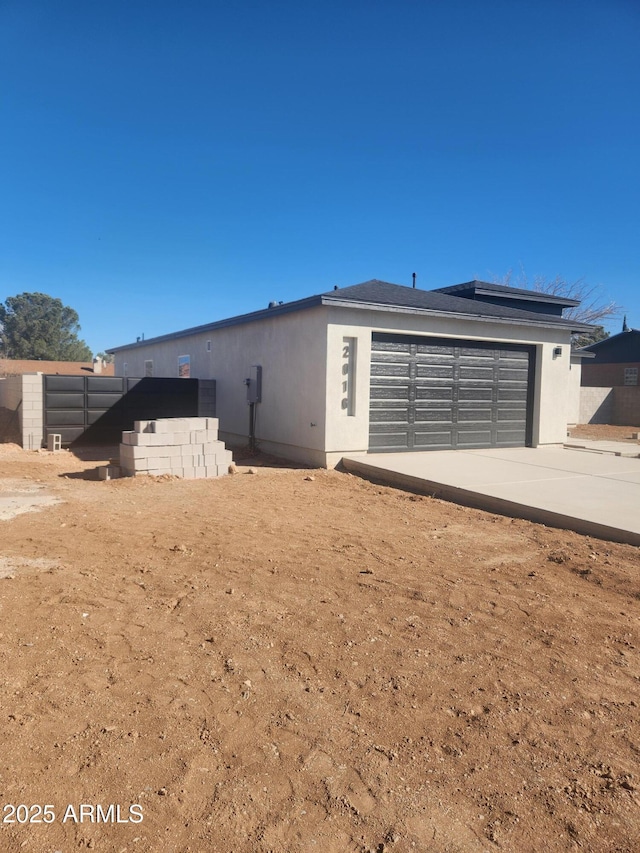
x=254 y=384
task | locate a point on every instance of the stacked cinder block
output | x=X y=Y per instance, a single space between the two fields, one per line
x=185 y=447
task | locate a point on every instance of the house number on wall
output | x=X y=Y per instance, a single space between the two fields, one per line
x=348 y=376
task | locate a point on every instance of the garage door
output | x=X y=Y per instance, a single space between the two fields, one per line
x=443 y=394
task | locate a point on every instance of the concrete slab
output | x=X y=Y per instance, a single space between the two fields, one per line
x=617 y=448
x=595 y=494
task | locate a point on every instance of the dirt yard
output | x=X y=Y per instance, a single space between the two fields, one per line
x=300 y=660
x=605 y=432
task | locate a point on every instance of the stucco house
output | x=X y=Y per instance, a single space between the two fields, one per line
x=381 y=367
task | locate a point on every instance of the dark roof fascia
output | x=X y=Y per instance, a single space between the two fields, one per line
x=263 y=314
x=459 y=315
x=486 y=289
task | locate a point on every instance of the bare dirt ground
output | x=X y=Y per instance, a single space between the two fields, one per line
x=304 y=661
x=604 y=432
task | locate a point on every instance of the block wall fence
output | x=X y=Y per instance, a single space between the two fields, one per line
x=23 y=396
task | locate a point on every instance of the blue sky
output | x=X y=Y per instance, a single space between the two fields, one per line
x=166 y=164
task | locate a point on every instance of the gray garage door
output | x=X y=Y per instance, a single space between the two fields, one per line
x=443 y=394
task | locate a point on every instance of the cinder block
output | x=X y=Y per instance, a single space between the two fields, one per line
x=151 y=439
x=182 y=438
x=223 y=470
x=198 y=436
x=130 y=451
x=213 y=447
x=191 y=449
x=188 y=472
x=165 y=425
x=109 y=472
x=54 y=441
x=144 y=426
x=225 y=458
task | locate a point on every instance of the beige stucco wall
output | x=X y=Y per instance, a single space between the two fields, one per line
x=291 y=349
x=303 y=414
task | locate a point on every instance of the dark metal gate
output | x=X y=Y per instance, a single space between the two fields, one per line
x=96 y=409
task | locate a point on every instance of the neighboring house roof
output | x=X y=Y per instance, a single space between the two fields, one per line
x=618 y=349
x=16 y=367
x=383 y=296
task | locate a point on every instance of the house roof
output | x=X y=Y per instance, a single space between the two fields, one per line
x=485 y=288
x=378 y=295
x=16 y=367
x=617 y=349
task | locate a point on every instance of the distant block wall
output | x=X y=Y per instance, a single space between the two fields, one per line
x=619 y=406
x=23 y=395
x=626 y=405
x=596 y=405
x=32 y=411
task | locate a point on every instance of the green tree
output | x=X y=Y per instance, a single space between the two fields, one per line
x=37 y=326
x=585 y=340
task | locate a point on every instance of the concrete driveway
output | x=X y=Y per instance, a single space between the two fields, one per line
x=593 y=493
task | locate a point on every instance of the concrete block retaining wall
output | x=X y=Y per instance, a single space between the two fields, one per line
x=23 y=396
x=596 y=405
x=184 y=447
x=626 y=405
x=618 y=406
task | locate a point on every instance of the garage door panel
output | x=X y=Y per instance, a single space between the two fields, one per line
x=437 y=349
x=472 y=394
x=474 y=416
x=392 y=347
x=505 y=415
x=434 y=371
x=435 y=393
x=434 y=415
x=443 y=394
x=510 y=437
x=390 y=370
x=400 y=416
x=506 y=374
x=479 y=374
x=386 y=441
x=506 y=394
x=380 y=392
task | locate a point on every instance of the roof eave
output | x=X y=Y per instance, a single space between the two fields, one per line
x=459 y=315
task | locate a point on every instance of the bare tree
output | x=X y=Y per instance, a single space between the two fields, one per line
x=594 y=307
